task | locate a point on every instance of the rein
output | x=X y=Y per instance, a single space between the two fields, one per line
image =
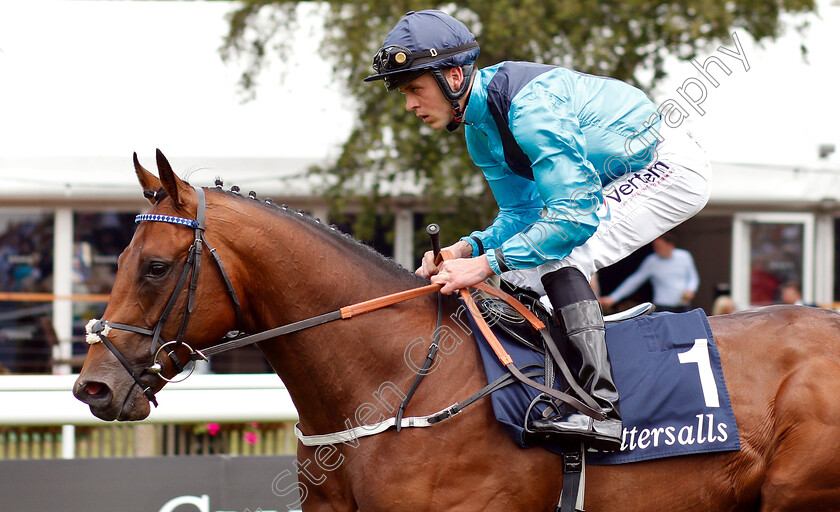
x=339 y=314
x=98 y=330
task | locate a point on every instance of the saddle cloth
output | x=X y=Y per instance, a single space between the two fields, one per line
x=667 y=370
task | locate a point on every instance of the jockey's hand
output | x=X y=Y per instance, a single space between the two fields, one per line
x=428 y=268
x=462 y=273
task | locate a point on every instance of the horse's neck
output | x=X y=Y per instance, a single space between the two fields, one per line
x=333 y=368
x=292 y=268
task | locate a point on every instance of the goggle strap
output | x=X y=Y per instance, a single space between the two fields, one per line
x=433 y=54
x=426 y=56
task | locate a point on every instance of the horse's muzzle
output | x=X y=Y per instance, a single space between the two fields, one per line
x=106 y=405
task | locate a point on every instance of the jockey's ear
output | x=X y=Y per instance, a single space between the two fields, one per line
x=149 y=182
x=455 y=77
x=175 y=187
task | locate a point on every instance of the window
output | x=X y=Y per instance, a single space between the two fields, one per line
x=98 y=240
x=771 y=250
x=26 y=263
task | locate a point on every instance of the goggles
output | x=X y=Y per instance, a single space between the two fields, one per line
x=394 y=58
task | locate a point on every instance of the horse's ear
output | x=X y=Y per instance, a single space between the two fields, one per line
x=174 y=186
x=149 y=182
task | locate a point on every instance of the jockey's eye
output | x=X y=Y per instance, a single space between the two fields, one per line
x=157 y=269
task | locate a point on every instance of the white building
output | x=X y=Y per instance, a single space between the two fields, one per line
x=91 y=82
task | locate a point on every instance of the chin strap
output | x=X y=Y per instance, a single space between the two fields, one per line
x=457 y=117
x=454 y=97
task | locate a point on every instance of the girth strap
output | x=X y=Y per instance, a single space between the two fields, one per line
x=352 y=434
x=574 y=477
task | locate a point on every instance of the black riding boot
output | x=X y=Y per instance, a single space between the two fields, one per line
x=579 y=314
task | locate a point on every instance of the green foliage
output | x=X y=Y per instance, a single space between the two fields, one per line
x=625 y=39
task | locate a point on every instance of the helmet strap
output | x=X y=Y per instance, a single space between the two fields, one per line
x=454 y=97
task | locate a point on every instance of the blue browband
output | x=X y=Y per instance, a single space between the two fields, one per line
x=166 y=218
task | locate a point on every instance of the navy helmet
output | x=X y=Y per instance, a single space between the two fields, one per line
x=427 y=41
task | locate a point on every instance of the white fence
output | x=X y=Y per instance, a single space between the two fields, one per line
x=42 y=400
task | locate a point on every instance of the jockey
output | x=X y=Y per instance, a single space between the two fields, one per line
x=585 y=170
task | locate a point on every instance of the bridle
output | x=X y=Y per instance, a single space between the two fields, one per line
x=98 y=330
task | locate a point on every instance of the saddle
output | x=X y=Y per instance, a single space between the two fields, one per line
x=657 y=363
x=499 y=311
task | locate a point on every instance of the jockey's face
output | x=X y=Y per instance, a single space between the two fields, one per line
x=424 y=97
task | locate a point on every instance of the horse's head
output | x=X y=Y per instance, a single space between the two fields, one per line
x=164 y=305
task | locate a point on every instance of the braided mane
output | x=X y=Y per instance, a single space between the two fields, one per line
x=328 y=232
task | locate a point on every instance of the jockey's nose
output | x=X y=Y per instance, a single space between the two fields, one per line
x=411 y=102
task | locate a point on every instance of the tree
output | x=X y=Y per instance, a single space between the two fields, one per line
x=625 y=39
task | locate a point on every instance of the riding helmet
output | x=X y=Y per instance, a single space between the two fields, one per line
x=422 y=41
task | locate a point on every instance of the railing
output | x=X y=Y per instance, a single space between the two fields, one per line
x=149 y=440
x=242 y=414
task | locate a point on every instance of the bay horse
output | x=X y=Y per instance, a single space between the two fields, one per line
x=782 y=366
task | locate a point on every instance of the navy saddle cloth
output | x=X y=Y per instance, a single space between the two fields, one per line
x=673 y=397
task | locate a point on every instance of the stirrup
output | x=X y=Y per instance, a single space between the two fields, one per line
x=642 y=309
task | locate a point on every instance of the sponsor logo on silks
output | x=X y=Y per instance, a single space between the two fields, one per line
x=604 y=211
x=709 y=430
x=637 y=181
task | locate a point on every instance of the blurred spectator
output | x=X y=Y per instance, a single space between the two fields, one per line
x=671 y=272
x=722 y=289
x=723 y=305
x=791 y=293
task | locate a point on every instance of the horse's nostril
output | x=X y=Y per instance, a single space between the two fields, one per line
x=93 y=388
x=93 y=392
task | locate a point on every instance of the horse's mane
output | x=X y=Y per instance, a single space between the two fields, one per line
x=329 y=232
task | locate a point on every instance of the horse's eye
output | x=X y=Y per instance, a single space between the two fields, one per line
x=157 y=269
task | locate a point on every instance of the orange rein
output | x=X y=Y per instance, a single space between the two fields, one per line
x=387 y=300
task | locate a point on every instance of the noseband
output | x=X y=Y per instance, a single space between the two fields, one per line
x=98 y=330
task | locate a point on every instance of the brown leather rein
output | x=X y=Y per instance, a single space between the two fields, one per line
x=585 y=405
x=97 y=330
